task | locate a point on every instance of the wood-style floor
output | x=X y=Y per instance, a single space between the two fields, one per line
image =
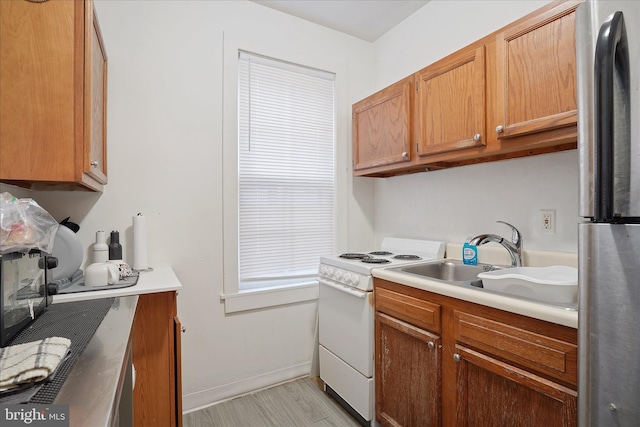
x=298 y=403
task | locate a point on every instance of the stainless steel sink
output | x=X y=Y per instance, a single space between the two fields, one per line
x=454 y=272
x=449 y=271
x=446 y=270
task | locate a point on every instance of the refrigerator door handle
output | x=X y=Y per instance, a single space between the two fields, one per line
x=611 y=79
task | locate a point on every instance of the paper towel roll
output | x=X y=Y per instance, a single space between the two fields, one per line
x=139 y=243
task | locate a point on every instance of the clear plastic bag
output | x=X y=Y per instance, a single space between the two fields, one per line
x=24 y=226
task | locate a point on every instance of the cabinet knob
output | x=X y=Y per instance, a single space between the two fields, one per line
x=431 y=345
x=499 y=129
x=457 y=357
x=476 y=137
x=405 y=155
x=183 y=329
x=94 y=163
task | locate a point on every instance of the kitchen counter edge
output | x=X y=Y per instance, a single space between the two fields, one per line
x=513 y=305
x=162 y=279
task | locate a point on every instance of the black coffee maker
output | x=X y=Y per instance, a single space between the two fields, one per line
x=25 y=291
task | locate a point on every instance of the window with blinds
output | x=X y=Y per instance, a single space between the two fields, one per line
x=286 y=173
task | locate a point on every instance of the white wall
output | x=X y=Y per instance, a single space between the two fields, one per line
x=165 y=120
x=458 y=203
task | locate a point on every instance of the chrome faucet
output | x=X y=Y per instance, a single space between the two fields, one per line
x=514 y=246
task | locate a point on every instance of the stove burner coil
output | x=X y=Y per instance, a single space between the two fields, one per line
x=407 y=257
x=376 y=260
x=354 y=256
x=380 y=253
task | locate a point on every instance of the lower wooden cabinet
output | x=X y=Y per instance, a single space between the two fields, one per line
x=157 y=394
x=494 y=393
x=418 y=374
x=443 y=361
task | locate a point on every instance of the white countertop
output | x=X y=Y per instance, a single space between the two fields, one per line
x=161 y=279
x=514 y=305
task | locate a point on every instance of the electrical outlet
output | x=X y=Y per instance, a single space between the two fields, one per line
x=548 y=221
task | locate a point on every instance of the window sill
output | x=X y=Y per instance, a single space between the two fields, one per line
x=271 y=297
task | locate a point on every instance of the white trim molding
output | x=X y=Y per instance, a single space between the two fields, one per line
x=270 y=297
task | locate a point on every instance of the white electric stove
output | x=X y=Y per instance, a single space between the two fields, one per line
x=346 y=318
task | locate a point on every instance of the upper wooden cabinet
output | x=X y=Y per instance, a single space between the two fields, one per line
x=509 y=94
x=536 y=74
x=53 y=83
x=382 y=129
x=450 y=104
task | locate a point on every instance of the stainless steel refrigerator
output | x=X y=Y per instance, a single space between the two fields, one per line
x=608 y=73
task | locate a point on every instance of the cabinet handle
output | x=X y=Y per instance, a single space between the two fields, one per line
x=476 y=137
x=94 y=163
x=431 y=345
x=457 y=358
x=499 y=129
x=405 y=155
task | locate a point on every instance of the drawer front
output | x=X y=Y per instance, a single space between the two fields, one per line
x=545 y=355
x=412 y=310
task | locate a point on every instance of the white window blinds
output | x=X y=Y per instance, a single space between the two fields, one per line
x=286 y=176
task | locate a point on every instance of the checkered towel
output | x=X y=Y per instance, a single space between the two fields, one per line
x=31 y=362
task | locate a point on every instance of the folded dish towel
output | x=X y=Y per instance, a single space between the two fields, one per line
x=31 y=362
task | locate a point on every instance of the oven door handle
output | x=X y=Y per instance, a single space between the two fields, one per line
x=343 y=288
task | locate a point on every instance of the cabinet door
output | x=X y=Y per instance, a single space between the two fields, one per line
x=450 y=103
x=536 y=74
x=154 y=347
x=95 y=132
x=407 y=374
x=37 y=90
x=382 y=128
x=52 y=96
x=493 y=393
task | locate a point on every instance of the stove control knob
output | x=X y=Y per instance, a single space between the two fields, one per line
x=337 y=275
x=353 y=279
x=328 y=271
x=347 y=278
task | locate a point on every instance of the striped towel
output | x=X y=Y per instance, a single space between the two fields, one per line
x=31 y=362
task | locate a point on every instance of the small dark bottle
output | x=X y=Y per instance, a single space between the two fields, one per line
x=115 y=248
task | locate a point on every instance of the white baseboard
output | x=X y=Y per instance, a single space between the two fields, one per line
x=202 y=399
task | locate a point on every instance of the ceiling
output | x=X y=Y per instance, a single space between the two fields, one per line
x=365 y=19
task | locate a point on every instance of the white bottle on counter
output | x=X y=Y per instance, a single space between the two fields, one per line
x=100 y=248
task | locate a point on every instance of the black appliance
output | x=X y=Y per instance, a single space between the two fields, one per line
x=25 y=291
